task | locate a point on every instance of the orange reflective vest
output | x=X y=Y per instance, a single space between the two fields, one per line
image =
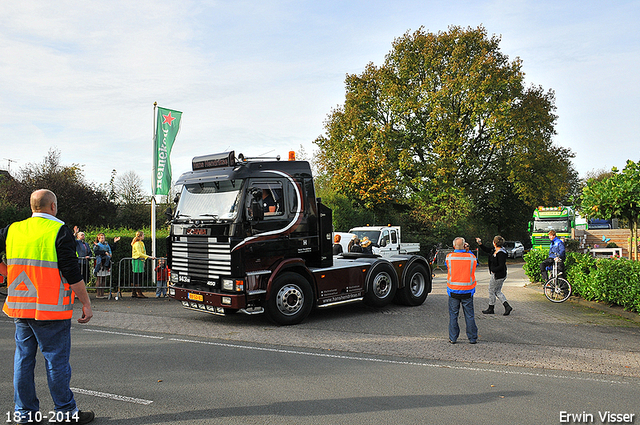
x=36 y=288
x=461 y=272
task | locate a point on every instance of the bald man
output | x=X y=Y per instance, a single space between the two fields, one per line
x=43 y=281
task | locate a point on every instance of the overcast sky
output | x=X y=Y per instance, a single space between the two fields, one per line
x=260 y=77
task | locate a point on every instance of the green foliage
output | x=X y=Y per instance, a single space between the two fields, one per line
x=346 y=215
x=572 y=245
x=610 y=280
x=615 y=281
x=579 y=268
x=78 y=201
x=532 y=260
x=616 y=196
x=446 y=127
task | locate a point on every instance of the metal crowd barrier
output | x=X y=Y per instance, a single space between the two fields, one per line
x=118 y=277
x=130 y=281
x=101 y=281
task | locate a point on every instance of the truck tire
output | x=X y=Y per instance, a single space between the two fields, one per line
x=291 y=299
x=415 y=288
x=382 y=284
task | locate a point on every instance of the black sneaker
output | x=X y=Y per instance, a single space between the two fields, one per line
x=84 y=417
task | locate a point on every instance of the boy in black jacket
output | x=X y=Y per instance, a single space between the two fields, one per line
x=498 y=270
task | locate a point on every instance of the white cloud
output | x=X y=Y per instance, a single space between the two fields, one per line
x=260 y=77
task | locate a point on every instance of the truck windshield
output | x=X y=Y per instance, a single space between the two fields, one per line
x=373 y=235
x=546 y=225
x=210 y=200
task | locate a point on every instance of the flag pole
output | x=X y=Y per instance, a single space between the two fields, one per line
x=153 y=187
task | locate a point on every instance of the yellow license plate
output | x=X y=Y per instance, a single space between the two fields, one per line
x=196 y=297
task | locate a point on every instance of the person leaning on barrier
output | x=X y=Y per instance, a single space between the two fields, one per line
x=461 y=285
x=103 y=252
x=139 y=254
x=41 y=263
x=83 y=250
x=556 y=250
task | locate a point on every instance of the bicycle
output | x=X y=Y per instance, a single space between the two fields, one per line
x=557 y=289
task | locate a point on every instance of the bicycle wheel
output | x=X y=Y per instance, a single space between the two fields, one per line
x=557 y=290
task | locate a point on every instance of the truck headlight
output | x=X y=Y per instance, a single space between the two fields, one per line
x=227 y=284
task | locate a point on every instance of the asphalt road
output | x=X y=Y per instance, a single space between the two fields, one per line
x=153 y=362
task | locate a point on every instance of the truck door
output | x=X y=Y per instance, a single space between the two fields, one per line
x=389 y=241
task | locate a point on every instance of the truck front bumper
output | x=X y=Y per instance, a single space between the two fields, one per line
x=208 y=302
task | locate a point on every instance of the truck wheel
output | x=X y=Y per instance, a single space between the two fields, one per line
x=415 y=287
x=381 y=285
x=291 y=299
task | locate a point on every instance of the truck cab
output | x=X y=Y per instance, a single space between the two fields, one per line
x=249 y=235
x=386 y=240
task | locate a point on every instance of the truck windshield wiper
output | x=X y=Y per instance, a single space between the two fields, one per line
x=209 y=215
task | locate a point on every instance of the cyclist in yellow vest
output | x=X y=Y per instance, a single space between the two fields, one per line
x=41 y=263
x=461 y=285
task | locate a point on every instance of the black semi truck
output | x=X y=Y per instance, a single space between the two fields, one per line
x=249 y=235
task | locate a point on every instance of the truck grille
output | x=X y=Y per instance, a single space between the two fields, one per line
x=201 y=258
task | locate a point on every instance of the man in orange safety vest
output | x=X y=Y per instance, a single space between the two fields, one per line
x=43 y=279
x=461 y=285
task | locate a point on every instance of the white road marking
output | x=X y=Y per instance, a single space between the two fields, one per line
x=123 y=333
x=112 y=396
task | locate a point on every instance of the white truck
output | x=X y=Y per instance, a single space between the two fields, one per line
x=386 y=240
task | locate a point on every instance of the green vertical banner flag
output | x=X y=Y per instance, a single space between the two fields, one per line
x=167 y=126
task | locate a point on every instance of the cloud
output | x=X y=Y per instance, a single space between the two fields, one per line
x=260 y=77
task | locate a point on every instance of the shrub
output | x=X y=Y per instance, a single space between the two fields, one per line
x=611 y=280
x=532 y=259
x=579 y=268
x=572 y=245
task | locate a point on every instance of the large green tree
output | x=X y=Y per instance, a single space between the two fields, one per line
x=616 y=196
x=447 y=126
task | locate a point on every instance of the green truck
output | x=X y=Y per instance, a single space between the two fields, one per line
x=561 y=219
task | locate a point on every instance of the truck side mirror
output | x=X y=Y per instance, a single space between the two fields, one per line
x=168 y=213
x=257 y=213
x=383 y=243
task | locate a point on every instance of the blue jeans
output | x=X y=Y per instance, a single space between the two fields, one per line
x=161 y=288
x=469 y=318
x=54 y=339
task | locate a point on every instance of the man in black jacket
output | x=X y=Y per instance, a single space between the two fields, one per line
x=498 y=270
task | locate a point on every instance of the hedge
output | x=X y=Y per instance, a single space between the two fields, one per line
x=610 y=280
